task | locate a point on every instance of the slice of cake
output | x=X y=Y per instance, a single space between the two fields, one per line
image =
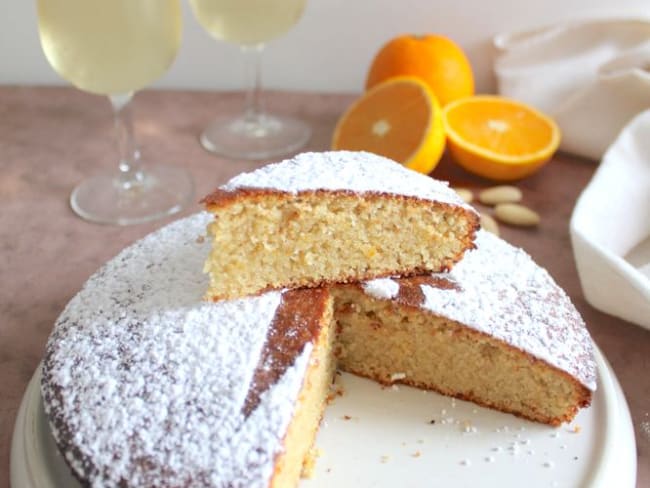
x=496 y=330
x=331 y=217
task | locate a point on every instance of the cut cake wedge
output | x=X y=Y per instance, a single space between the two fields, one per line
x=496 y=330
x=331 y=217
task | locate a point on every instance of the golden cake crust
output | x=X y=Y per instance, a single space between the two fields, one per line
x=297 y=321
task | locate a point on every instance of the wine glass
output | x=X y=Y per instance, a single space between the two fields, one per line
x=255 y=134
x=113 y=48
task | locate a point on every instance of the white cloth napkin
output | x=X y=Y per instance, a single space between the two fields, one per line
x=610 y=228
x=591 y=76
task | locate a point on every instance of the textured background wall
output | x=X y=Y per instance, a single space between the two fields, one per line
x=328 y=50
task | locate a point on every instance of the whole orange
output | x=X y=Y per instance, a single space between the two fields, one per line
x=435 y=59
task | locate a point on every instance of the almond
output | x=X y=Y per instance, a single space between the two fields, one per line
x=500 y=194
x=465 y=194
x=489 y=224
x=515 y=214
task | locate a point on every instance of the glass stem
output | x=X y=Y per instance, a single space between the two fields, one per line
x=253 y=109
x=130 y=166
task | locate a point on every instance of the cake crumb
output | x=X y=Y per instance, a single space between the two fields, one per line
x=335 y=391
x=467 y=427
x=346 y=417
x=432 y=421
x=309 y=463
x=576 y=429
x=384 y=459
x=416 y=454
x=397 y=376
x=200 y=239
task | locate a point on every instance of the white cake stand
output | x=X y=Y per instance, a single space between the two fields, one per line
x=383 y=437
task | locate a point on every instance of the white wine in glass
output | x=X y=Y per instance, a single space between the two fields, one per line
x=254 y=134
x=114 y=48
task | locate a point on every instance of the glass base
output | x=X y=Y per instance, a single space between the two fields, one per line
x=261 y=137
x=159 y=191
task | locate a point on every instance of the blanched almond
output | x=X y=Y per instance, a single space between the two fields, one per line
x=515 y=214
x=500 y=194
x=465 y=194
x=489 y=224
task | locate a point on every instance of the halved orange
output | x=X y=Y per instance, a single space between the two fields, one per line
x=399 y=119
x=499 y=138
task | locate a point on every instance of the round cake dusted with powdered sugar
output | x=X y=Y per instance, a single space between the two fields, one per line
x=147 y=384
x=498 y=290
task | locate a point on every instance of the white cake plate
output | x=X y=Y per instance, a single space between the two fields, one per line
x=384 y=437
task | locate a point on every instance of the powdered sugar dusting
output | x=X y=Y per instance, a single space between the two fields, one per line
x=381 y=288
x=148 y=380
x=502 y=292
x=346 y=170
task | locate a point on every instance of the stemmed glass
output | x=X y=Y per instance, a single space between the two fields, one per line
x=113 y=48
x=255 y=134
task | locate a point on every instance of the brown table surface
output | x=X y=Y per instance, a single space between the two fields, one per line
x=50 y=138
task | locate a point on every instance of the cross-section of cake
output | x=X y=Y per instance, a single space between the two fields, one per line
x=332 y=217
x=496 y=330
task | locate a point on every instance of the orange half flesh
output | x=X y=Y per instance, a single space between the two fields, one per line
x=399 y=119
x=499 y=138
